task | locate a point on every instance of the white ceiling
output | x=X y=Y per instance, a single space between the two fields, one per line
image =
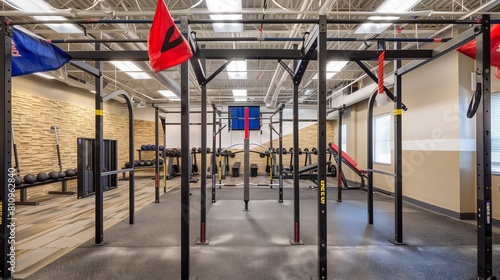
x=267 y=82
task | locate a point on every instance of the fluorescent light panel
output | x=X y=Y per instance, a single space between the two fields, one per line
x=389 y=6
x=138 y=75
x=40 y=5
x=240 y=99
x=308 y=92
x=216 y=6
x=169 y=95
x=239 y=92
x=43 y=75
x=237 y=70
x=126 y=66
x=332 y=68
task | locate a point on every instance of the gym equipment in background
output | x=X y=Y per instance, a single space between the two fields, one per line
x=86 y=154
x=31 y=180
x=352 y=164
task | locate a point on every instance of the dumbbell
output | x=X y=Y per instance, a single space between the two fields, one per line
x=144 y=147
x=199 y=150
x=209 y=150
x=314 y=151
x=141 y=163
x=193 y=150
x=284 y=151
x=161 y=148
x=127 y=165
x=300 y=151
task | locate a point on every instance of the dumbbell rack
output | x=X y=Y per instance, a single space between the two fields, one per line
x=23 y=199
x=139 y=152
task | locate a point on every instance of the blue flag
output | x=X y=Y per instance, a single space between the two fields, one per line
x=31 y=55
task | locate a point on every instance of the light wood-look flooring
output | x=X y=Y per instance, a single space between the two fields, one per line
x=62 y=222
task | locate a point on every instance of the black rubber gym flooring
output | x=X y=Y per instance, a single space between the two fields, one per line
x=255 y=244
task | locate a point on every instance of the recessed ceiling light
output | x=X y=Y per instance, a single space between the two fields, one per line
x=239 y=92
x=138 y=75
x=388 y=6
x=217 y=6
x=332 y=69
x=126 y=66
x=43 y=75
x=40 y=5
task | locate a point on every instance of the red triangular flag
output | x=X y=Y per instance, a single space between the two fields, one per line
x=469 y=49
x=166 y=45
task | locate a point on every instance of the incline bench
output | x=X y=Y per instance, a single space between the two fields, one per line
x=351 y=163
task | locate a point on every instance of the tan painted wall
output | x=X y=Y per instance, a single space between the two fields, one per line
x=495 y=186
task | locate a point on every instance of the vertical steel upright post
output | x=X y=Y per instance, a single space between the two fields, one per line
x=280 y=196
x=322 y=199
x=5 y=154
x=214 y=148
x=220 y=172
x=203 y=182
x=131 y=176
x=164 y=154
x=186 y=159
x=296 y=175
x=483 y=154
x=369 y=151
x=99 y=154
x=339 y=171
x=398 y=153
x=270 y=157
x=246 y=161
x=157 y=159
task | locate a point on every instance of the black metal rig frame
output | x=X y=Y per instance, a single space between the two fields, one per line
x=315 y=48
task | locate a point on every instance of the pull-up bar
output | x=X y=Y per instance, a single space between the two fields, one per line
x=252 y=21
x=253 y=39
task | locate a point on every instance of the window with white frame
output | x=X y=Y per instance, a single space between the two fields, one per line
x=495 y=133
x=382 y=139
x=344 y=137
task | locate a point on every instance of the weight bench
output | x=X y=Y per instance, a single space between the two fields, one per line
x=351 y=163
x=305 y=172
x=236 y=169
x=23 y=200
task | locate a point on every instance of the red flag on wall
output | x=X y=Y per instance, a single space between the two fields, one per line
x=166 y=45
x=469 y=49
